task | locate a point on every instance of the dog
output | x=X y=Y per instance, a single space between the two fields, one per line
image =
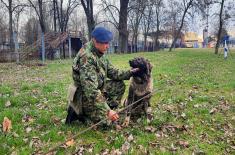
x=141 y=84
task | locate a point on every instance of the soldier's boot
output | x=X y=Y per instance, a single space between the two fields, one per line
x=72 y=116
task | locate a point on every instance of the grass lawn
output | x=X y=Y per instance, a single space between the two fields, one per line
x=194 y=108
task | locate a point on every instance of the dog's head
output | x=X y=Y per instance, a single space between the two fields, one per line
x=143 y=75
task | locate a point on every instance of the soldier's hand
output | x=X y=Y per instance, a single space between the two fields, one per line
x=134 y=70
x=112 y=115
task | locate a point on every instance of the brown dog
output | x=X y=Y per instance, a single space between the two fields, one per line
x=141 y=84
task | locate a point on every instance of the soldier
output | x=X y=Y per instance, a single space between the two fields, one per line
x=98 y=86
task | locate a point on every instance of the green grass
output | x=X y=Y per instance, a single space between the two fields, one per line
x=190 y=83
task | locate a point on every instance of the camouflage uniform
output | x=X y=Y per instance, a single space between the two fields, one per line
x=96 y=94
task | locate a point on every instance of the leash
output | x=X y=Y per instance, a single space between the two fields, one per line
x=94 y=125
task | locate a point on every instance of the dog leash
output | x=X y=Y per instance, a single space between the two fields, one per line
x=94 y=125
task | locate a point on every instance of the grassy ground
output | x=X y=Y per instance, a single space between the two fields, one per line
x=194 y=108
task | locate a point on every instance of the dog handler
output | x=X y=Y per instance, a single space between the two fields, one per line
x=98 y=87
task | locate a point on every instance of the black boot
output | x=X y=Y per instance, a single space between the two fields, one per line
x=72 y=116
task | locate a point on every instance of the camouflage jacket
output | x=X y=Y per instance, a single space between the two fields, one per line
x=90 y=71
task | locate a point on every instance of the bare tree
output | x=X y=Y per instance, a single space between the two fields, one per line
x=63 y=13
x=172 y=20
x=220 y=26
x=159 y=5
x=12 y=6
x=187 y=4
x=122 y=26
x=38 y=7
x=3 y=29
x=135 y=17
x=147 y=22
x=88 y=8
x=120 y=23
x=30 y=31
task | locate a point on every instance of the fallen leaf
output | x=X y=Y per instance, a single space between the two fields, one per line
x=8 y=104
x=150 y=129
x=173 y=148
x=183 y=143
x=105 y=152
x=213 y=110
x=183 y=115
x=130 y=138
x=126 y=146
x=6 y=125
x=28 y=129
x=116 y=152
x=70 y=143
x=27 y=118
x=55 y=120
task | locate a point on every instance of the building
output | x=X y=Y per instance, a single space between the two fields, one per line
x=192 y=40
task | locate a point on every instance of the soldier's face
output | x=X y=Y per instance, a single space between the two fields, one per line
x=102 y=47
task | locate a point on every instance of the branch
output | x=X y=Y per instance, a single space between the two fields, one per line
x=20 y=5
x=105 y=21
x=7 y=6
x=35 y=8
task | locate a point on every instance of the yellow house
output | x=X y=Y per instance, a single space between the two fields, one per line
x=192 y=40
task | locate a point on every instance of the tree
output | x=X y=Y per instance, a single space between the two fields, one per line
x=63 y=13
x=221 y=21
x=159 y=5
x=122 y=26
x=147 y=22
x=120 y=23
x=187 y=4
x=88 y=8
x=11 y=6
x=39 y=9
x=172 y=20
x=3 y=30
x=135 y=16
x=30 y=31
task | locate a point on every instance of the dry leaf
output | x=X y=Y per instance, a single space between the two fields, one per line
x=70 y=142
x=116 y=152
x=8 y=104
x=130 y=138
x=213 y=110
x=183 y=143
x=27 y=118
x=126 y=146
x=28 y=129
x=150 y=129
x=6 y=125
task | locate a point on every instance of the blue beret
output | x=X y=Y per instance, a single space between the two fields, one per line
x=102 y=35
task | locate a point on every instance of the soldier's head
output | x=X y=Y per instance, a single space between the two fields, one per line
x=101 y=38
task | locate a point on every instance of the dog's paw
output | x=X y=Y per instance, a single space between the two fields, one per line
x=126 y=122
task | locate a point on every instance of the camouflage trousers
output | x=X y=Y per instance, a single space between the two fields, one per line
x=113 y=92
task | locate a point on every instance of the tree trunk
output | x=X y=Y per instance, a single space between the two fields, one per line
x=220 y=27
x=145 y=42
x=122 y=27
x=181 y=24
x=54 y=18
x=88 y=8
x=11 y=41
